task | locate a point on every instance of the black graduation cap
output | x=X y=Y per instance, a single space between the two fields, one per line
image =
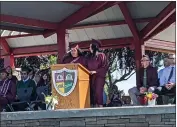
x=96 y=42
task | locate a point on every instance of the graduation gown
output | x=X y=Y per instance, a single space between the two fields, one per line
x=99 y=64
x=80 y=59
x=7 y=92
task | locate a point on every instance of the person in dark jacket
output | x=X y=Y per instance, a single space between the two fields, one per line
x=148 y=80
x=45 y=81
x=26 y=82
x=7 y=89
x=10 y=75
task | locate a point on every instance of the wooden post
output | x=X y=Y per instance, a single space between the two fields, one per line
x=138 y=55
x=61 y=44
x=143 y=49
x=9 y=61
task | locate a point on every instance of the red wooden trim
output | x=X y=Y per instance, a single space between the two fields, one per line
x=12 y=60
x=137 y=41
x=18 y=36
x=61 y=44
x=93 y=25
x=106 y=43
x=121 y=22
x=160 y=18
x=104 y=7
x=79 y=15
x=2 y=53
x=5 y=46
x=48 y=33
x=159 y=50
x=10 y=28
x=160 y=41
x=35 y=49
x=27 y=22
x=129 y=20
x=44 y=49
x=35 y=54
x=163 y=26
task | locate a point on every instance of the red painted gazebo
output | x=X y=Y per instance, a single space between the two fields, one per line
x=33 y=28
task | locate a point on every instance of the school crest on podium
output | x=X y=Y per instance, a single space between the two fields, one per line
x=64 y=81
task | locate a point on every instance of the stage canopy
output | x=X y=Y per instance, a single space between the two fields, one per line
x=29 y=27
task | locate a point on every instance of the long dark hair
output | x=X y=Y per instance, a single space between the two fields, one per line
x=95 y=49
x=42 y=81
x=10 y=69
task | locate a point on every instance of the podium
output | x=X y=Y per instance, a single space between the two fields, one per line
x=70 y=83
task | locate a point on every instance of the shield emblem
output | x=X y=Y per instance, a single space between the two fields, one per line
x=64 y=81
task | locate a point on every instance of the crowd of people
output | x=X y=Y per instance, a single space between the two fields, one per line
x=11 y=87
x=97 y=63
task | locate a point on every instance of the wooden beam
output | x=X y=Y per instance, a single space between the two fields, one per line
x=162 y=27
x=111 y=43
x=112 y=23
x=129 y=20
x=79 y=15
x=5 y=46
x=104 y=7
x=18 y=36
x=61 y=44
x=10 y=28
x=161 y=44
x=160 y=18
x=27 y=22
x=159 y=50
x=35 y=49
x=137 y=41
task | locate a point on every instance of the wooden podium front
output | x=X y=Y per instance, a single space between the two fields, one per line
x=79 y=97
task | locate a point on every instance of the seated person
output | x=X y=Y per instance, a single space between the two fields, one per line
x=115 y=98
x=166 y=64
x=168 y=78
x=7 y=89
x=148 y=80
x=28 y=86
x=26 y=82
x=10 y=75
x=45 y=81
x=37 y=78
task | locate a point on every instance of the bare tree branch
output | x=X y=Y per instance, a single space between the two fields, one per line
x=122 y=78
